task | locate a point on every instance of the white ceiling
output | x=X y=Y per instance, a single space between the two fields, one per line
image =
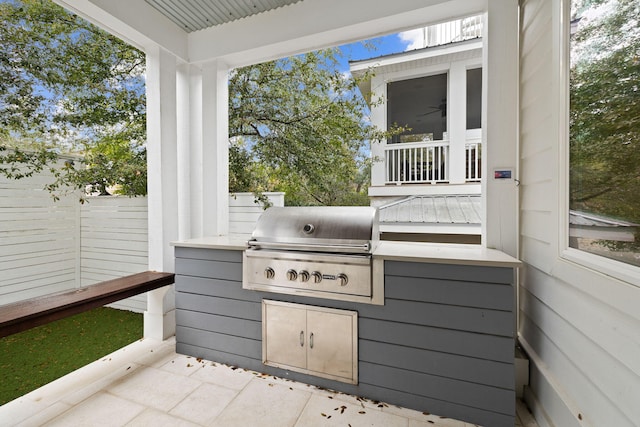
x=244 y=34
x=194 y=15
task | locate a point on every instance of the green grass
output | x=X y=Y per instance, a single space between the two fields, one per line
x=33 y=358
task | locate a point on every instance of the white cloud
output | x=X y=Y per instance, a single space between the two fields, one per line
x=413 y=38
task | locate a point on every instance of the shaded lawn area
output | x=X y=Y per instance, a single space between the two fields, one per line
x=33 y=358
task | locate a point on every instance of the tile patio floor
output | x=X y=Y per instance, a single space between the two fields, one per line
x=148 y=384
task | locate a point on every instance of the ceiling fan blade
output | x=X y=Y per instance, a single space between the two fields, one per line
x=429 y=113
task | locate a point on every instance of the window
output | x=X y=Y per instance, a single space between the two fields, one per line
x=474 y=98
x=419 y=104
x=604 y=129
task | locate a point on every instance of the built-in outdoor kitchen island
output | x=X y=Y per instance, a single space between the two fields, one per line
x=440 y=338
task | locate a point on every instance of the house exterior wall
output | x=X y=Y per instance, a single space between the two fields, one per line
x=580 y=327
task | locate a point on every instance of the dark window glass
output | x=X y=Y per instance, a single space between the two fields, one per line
x=474 y=98
x=420 y=105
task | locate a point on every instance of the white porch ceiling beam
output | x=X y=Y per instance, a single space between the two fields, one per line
x=315 y=24
x=133 y=21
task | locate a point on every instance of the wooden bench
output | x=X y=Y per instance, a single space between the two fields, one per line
x=26 y=314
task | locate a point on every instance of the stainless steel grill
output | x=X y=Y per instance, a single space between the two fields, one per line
x=314 y=251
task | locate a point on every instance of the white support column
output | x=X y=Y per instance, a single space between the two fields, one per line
x=183 y=143
x=379 y=119
x=500 y=125
x=457 y=115
x=159 y=319
x=195 y=152
x=214 y=196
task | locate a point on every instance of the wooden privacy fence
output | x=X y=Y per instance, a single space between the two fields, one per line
x=244 y=210
x=48 y=247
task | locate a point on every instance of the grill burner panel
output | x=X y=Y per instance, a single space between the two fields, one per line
x=340 y=274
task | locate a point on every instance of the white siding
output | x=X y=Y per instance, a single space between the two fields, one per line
x=576 y=324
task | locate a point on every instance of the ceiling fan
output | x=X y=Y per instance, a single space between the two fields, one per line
x=442 y=108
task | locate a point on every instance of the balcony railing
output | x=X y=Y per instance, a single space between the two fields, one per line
x=473 y=151
x=428 y=162
x=417 y=162
x=452 y=31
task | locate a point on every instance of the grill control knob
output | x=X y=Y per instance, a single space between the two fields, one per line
x=343 y=279
x=269 y=273
x=317 y=277
x=304 y=276
x=292 y=275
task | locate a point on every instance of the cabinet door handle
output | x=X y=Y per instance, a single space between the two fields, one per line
x=301 y=338
x=311 y=340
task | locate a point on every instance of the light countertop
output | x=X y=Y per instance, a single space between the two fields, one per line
x=439 y=253
x=444 y=253
x=236 y=242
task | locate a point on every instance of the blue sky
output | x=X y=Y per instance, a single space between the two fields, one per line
x=385 y=45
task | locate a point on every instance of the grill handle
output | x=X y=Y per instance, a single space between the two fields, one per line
x=364 y=248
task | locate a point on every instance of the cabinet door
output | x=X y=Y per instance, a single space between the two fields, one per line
x=284 y=336
x=332 y=343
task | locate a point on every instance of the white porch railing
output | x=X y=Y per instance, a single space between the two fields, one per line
x=473 y=151
x=417 y=162
x=452 y=31
x=428 y=162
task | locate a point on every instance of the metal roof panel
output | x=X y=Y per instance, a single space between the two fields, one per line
x=194 y=15
x=442 y=209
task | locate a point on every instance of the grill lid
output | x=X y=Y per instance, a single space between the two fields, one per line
x=319 y=228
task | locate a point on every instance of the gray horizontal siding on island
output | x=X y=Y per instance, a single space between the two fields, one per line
x=443 y=342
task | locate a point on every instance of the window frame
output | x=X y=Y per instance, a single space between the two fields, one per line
x=445 y=72
x=572 y=260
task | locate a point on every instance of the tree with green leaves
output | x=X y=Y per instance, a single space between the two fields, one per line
x=296 y=125
x=605 y=109
x=303 y=121
x=66 y=87
x=605 y=115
